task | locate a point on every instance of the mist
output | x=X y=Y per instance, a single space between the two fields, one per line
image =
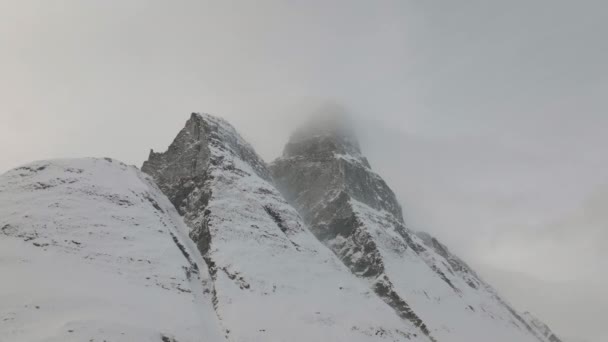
x=487 y=119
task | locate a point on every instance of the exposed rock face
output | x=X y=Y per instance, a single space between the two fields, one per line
x=273 y=280
x=352 y=210
x=91 y=250
x=332 y=144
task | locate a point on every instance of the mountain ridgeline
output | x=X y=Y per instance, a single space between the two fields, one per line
x=351 y=209
x=210 y=243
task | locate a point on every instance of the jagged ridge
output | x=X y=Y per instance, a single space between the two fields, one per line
x=260 y=253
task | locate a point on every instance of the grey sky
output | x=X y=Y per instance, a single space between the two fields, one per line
x=487 y=118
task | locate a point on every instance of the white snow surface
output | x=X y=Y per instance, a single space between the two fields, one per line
x=91 y=250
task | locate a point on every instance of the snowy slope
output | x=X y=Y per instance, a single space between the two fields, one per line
x=351 y=209
x=273 y=280
x=91 y=250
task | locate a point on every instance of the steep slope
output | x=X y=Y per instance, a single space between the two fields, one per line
x=352 y=210
x=273 y=280
x=91 y=250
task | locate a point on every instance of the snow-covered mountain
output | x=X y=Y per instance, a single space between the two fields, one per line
x=353 y=212
x=202 y=246
x=91 y=250
x=273 y=280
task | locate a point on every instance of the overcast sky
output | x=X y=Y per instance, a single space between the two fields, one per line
x=489 y=119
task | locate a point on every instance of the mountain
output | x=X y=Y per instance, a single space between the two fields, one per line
x=272 y=279
x=209 y=243
x=348 y=207
x=91 y=250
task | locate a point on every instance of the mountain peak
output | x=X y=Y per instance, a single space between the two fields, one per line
x=328 y=144
x=331 y=130
x=210 y=119
x=204 y=139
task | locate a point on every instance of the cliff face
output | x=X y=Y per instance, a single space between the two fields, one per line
x=324 y=175
x=273 y=280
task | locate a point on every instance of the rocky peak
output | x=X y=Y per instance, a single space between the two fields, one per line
x=326 y=134
x=205 y=144
x=204 y=139
x=327 y=154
